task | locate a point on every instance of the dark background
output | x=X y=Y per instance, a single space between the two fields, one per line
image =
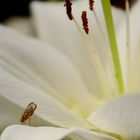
x=20 y=7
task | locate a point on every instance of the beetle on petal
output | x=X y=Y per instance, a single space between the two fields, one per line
x=28 y=112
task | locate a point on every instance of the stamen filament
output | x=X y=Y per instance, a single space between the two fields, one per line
x=99 y=24
x=104 y=80
x=106 y=86
x=113 y=43
x=78 y=27
x=103 y=38
x=128 y=41
x=127 y=24
x=105 y=83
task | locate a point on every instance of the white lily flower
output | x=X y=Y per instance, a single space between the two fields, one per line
x=61 y=76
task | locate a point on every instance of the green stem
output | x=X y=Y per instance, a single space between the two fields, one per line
x=113 y=43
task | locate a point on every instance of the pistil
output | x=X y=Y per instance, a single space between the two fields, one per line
x=113 y=44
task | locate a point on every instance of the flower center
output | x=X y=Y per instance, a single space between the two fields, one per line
x=118 y=82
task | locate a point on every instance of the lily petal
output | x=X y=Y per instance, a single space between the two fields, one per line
x=17 y=132
x=27 y=65
x=44 y=67
x=134 y=48
x=23 y=25
x=120 y=116
x=21 y=94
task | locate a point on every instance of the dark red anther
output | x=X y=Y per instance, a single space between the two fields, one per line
x=68 y=5
x=85 y=21
x=91 y=4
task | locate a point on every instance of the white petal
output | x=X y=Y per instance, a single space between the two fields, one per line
x=21 y=94
x=16 y=132
x=54 y=27
x=21 y=24
x=120 y=116
x=50 y=133
x=26 y=66
x=134 y=27
x=135 y=49
x=46 y=68
x=83 y=134
x=134 y=40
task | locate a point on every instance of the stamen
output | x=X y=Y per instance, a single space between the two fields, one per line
x=85 y=21
x=91 y=5
x=104 y=80
x=105 y=83
x=68 y=5
x=128 y=41
x=127 y=24
x=102 y=37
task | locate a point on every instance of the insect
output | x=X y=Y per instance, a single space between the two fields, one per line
x=28 y=113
